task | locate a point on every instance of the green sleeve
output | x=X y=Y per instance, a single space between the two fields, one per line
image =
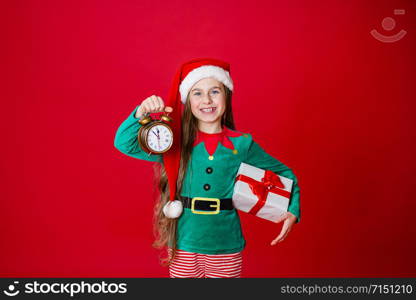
x=257 y=157
x=126 y=139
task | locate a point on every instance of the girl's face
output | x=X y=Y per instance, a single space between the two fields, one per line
x=207 y=99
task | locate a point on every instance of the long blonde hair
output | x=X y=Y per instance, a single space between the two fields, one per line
x=164 y=229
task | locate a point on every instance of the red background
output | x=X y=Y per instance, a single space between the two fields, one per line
x=315 y=89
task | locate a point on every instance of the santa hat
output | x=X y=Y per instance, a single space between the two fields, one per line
x=187 y=75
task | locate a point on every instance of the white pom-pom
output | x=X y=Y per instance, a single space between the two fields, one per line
x=173 y=209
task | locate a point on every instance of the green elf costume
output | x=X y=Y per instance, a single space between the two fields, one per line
x=211 y=170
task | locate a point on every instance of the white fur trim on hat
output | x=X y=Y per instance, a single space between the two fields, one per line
x=203 y=72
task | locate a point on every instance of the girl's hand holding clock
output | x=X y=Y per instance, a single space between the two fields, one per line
x=155 y=135
x=152 y=104
x=289 y=219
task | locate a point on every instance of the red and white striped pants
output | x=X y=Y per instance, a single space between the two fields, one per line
x=197 y=265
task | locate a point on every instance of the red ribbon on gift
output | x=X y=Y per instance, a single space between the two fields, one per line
x=270 y=183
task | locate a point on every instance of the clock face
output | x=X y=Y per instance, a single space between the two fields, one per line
x=159 y=138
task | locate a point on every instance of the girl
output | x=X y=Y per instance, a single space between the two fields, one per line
x=194 y=216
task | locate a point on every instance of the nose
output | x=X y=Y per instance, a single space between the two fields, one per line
x=207 y=99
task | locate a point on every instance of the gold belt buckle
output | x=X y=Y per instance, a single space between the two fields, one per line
x=200 y=212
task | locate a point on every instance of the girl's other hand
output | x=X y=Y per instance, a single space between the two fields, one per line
x=152 y=104
x=289 y=219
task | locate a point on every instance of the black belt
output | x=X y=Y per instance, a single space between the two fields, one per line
x=210 y=205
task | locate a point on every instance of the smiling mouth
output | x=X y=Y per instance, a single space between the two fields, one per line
x=208 y=110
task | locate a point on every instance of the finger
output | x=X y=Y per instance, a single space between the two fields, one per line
x=152 y=104
x=146 y=107
x=156 y=105
x=279 y=238
x=168 y=109
x=283 y=237
x=148 y=99
x=285 y=230
x=160 y=104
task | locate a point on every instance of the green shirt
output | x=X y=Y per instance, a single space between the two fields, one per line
x=218 y=233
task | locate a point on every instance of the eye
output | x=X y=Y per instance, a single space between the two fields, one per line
x=197 y=94
x=215 y=91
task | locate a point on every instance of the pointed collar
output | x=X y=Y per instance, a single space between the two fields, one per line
x=211 y=140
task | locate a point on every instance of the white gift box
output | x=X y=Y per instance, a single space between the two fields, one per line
x=276 y=202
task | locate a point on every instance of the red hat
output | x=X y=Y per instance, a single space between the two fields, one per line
x=187 y=75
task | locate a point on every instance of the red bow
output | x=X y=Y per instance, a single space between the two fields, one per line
x=270 y=183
